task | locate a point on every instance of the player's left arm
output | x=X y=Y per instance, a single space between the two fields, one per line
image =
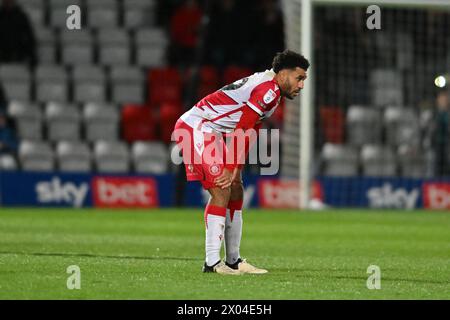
x=263 y=98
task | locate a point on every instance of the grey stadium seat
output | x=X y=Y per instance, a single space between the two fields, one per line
x=102 y=13
x=339 y=160
x=77 y=47
x=28 y=119
x=378 y=161
x=111 y=157
x=363 y=125
x=73 y=156
x=386 y=87
x=8 y=162
x=139 y=13
x=89 y=84
x=127 y=84
x=402 y=126
x=63 y=122
x=412 y=162
x=16 y=81
x=36 y=156
x=46 y=44
x=150 y=157
x=51 y=83
x=151 y=44
x=114 y=47
x=101 y=122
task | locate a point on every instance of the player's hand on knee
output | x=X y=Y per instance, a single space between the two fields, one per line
x=226 y=178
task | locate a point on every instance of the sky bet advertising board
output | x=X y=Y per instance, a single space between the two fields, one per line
x=121 y=191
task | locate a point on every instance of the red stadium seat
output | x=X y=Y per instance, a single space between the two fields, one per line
x=165 y=85
x=332 y=124
x=168 y=116
x=209 y=81
x=233 y=73
x=138 y=123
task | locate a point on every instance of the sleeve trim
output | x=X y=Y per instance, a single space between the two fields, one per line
x=255 y=108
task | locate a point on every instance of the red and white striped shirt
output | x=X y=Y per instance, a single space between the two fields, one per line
x=222 y=110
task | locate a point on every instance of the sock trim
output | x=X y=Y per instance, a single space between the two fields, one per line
x=214 y=210
x=234 y=205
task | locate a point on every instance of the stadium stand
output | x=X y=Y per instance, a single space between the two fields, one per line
x=112 y=81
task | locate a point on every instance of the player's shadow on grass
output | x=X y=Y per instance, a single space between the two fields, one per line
x=312 y=273
x=89 y=255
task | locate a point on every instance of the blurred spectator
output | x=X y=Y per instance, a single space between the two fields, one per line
x=17 y=41
x=8 y=140
x=226 y=35
x=184 y=29
x=268 y=33
x=440 y=137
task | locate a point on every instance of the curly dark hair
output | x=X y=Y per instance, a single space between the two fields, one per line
x=289 y=60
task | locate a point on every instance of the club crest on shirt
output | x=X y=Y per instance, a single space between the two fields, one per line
x=214 y=169
x=269 y=96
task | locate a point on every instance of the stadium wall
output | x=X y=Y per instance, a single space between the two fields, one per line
x=139 y=191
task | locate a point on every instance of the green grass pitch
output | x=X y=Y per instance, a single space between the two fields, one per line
x=158 y=254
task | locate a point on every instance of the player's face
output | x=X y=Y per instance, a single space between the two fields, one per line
x=293 y=82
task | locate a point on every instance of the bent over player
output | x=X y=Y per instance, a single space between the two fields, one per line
x=237 y=107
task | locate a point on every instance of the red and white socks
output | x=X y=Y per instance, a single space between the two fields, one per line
x=215 y=229
x=233 y=231
x=223 y=223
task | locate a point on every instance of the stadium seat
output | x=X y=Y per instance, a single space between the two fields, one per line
x=73 y=156
x=16 y=81
x=77 y=47
x=63 y=122
x=151 y=44
x=101 y=122
x=165 y=85
x=127 y=85
x=8 y=162
x=378 y=161
x=51 y=83
x=138 y=123
x=89 y=84
x=209 y=81
x=139 y=13
x=111 y=157
x=386 y=87
x=28 y=118
x=114 y=47
x=332 y=124
x=412 y=161
x=168 y=116
x=402 y=126
x=364 y=125
x=36 y=156
x=150 y=157
x=46 y=44
x=233 y=73
x=102 y=13
x=339 y=160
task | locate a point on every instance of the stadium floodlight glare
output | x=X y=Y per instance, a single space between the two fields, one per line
x=440 y=81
